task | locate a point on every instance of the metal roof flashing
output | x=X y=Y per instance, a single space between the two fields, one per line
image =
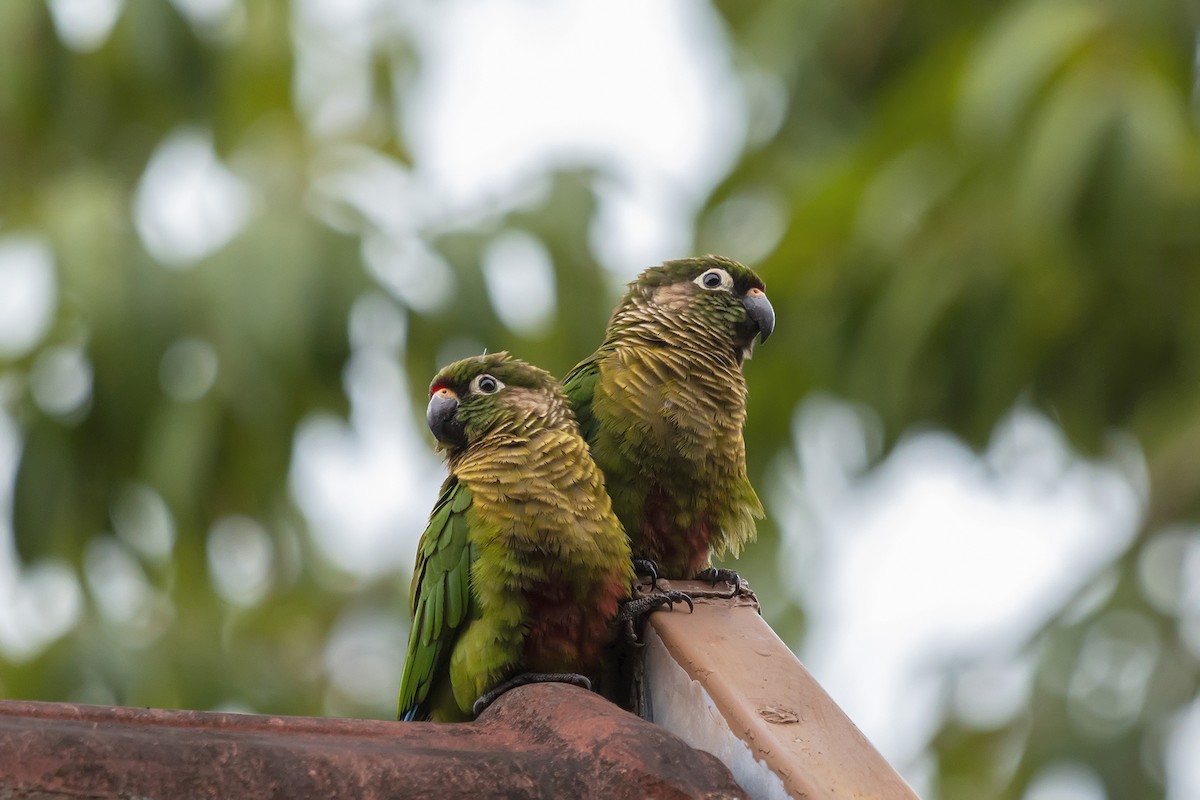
x=683 y=706
x=724 y=682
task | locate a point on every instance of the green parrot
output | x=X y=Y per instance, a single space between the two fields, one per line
x=523 y=566
x=662 y=404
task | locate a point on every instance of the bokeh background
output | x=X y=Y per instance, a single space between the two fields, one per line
x=237 y=238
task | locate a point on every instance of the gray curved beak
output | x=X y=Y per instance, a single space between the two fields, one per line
x=760 y=312
x=440 y=415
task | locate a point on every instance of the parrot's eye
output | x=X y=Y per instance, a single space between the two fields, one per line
x=715 y=279
x=486 y=384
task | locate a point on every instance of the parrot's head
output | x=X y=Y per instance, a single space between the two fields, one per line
x=470 y=398
x=717 y=299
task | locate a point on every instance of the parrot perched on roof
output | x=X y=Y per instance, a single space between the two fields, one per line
x=662 y=404
x=523 y=564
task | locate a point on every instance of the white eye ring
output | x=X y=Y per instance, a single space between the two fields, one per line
x=486 y=384
x=714 y=279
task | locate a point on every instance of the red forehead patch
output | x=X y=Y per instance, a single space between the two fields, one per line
x=437 y=387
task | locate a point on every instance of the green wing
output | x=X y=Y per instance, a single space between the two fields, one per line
x=440 y=600
x=580 y=386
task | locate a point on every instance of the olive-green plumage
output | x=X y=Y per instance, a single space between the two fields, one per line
x=523 y=563
x=662 y=404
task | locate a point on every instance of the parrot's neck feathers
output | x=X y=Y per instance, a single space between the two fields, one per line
x=655 y=319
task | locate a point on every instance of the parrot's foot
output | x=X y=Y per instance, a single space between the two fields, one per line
x=645 y=567
x=525 y=678
x=633 y=610
x=715 y=575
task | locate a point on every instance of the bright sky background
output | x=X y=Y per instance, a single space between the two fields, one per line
x=938 y=556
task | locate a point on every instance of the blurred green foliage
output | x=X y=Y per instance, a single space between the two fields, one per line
x=956 y=205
